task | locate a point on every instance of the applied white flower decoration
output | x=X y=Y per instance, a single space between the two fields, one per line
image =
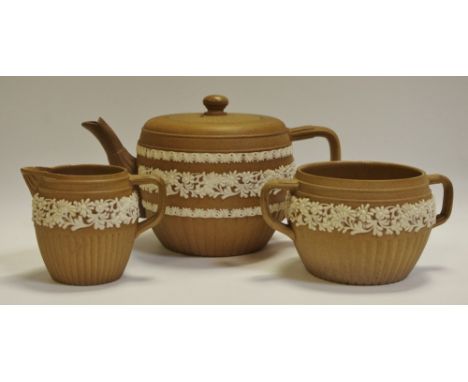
x=380 y=220
x=76 y=214
x=214 y=213
x=245 y=184
x=187 y=157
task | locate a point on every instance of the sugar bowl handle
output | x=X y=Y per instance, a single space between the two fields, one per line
x=447 y=199
x=305 y=132
x=153 y=221
x=285 y=184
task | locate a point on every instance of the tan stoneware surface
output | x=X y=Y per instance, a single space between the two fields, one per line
x=348 y=253
x=223 y=152
x=87 y=254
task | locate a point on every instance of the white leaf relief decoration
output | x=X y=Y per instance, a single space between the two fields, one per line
x=187 y=157
x=76 y=214
x=214 y=213
x=245 y=184
x=380 y=220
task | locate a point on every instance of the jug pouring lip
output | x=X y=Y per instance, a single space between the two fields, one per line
x=35 y=169
x=33 y=177
x=73 y=177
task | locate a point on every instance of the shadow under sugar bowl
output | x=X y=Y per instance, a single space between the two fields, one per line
x=86 y=219
x=362 y=223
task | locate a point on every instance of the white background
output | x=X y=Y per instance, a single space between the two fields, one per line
x=257 y=38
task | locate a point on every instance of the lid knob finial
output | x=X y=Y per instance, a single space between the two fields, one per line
x=215 y=104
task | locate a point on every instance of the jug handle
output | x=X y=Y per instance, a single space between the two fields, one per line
x=153 y=221
x=447 y=202
x=305 y=132
x=285 y=184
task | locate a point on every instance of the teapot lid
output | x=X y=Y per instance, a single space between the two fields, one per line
x=215 y=122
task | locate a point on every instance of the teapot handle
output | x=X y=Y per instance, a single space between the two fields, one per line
x=304 y=132
x=153 y=221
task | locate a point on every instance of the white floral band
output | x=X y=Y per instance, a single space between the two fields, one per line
x=214 y=213
x=245 y=184
x=178 y=156
x=98 y=214
x=382 y=220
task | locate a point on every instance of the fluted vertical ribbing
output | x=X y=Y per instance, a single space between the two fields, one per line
x=214 y=237
x=360 y=259
x=87 y=256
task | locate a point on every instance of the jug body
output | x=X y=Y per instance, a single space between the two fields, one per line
x=86 y=220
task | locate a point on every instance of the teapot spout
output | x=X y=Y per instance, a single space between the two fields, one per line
x=33 y=176
x=116 y=152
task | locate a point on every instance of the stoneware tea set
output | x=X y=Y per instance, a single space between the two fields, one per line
x=219 y=184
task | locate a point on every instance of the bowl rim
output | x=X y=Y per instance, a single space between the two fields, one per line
x=303 y=174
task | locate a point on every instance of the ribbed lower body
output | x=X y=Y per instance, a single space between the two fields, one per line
x=87 y=256
x=213 y=237
x=360 y=259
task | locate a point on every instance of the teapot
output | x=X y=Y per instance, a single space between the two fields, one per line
x=214 y=165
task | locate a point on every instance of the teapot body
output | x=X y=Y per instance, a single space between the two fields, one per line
x=214 y=165
x=213 y=205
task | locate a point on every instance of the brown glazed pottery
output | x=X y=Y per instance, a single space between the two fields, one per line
x=363 y=223
x=86 y=219
x=214 y=164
